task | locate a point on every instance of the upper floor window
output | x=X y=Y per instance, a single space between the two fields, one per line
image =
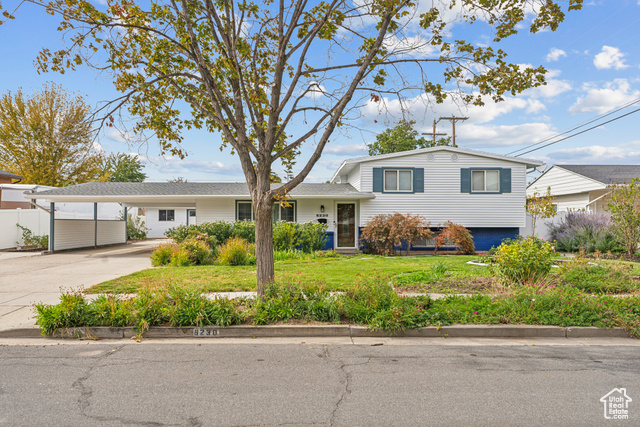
x=398 y=180
x=166 y=215
x=485 y=181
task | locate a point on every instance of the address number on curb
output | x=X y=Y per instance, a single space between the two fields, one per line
x=204 y=332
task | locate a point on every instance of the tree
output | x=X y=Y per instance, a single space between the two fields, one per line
x=540 y=207
x=255 y=71
x=47 y=138
x=123 y=167
x=624 y=205
x=402 y=137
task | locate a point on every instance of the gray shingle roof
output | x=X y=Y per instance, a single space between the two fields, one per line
x=607 y=174
x=5 y=174
x=191 y=189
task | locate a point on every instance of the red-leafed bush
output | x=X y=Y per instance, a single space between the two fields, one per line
x=457 y=235
x=383 y=233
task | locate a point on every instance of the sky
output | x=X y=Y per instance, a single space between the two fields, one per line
x=593 y=63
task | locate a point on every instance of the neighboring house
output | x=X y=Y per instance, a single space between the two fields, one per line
x=482 y=191
x=7 y=178
x=582 y=187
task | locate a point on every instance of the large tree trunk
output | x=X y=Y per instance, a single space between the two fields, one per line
x=263 y=206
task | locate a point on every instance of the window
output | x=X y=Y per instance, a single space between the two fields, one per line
x=485 y=181
x=192 y=213
x=166 y=215
x=398 y=180
x=244 y=212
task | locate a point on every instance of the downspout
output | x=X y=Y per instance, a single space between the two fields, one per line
x=95 y=222
x=125 y=225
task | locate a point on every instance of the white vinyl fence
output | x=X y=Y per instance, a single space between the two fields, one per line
x=542 y=225
x=35 y=220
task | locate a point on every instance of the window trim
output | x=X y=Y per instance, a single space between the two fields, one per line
x=165 y=215
x=397 y=170
x=484 y=171
x=293 y=203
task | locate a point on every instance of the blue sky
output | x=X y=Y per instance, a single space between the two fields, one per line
x=593 y=61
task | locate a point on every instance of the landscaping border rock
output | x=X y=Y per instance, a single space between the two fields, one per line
x=293 y=331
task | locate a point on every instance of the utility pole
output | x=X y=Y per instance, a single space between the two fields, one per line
x=434 y=134
x=453 y=121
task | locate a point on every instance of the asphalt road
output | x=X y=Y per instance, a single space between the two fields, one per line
x=124 y=383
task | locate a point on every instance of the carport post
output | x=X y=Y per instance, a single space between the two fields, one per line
x=52 y=223
x=125 y=224
x=95 y=222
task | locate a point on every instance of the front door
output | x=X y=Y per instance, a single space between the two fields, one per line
x=346 y=225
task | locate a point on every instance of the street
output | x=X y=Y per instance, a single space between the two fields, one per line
x=302 y=382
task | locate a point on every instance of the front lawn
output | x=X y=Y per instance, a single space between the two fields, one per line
x=442 y=273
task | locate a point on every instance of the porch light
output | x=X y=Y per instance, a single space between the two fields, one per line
x=322 y=208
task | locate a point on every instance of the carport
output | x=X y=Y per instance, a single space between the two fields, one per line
x=88 y=231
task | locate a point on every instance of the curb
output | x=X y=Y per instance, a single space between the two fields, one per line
x=295 y=331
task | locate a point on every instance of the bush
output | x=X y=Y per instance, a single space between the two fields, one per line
x=312 y=237
x=180 y=258
x=285 y=235
x=458 y=235
x=199 y=252
x=584 y=231
x=614 y=278
x=162 y=254
x=32 y=241
x=385 y=232
x=216 y=232
x=236 y=252
x=136 y=228
x=245 y=230
x=527 y=260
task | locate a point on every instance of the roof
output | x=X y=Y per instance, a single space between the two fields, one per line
x=132 y=191
x=606 y=174
x=5 y=174
x=349 y=163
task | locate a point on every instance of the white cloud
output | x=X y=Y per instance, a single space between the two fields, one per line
x=412 y=46
x=609 y=57
x=535 y=106
x=316 y=90
x=97 y=147
x=600 y=100
x=502 y=135
x=555 y=54
x=186 y=166
x=347 y=150
x=596 y=154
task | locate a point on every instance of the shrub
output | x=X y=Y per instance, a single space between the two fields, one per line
x=458 y=235
x=285 y=235
x=136 y=228
x=312 y=237
x=614 y=278
x=162 y=254
x=245 y=230
x=216 y=232
x=180 y=258
x=525 y=260
x=236 y=252
x=199 y=252
x=589 y=232
x=32 y=241
x=385 y=232
x=624 y=205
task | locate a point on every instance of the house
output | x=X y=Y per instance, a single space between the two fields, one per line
x=484 y=192
x=582 y=187
x=7 y=178
x=159 y=220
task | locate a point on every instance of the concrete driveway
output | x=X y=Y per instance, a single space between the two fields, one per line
x=26 y=279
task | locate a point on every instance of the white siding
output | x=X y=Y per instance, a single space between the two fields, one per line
x=571 y=202
x=354 y=178
x=112 y=232
x=157 y=228
x=73 y=233
x=563 y=182
x=216 y=209
x=35 y=220
x=442 y=199
x=308 y=209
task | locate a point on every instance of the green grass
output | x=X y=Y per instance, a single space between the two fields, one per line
x=435 y=273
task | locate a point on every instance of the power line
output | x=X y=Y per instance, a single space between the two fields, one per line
x=599 y=117
x=576 y=134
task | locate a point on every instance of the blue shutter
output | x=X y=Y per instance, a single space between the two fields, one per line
x=505 y=180
x=418 y=180
x=377 y=180
x=465 y=180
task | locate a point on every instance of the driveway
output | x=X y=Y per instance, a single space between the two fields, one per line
x=26 y=279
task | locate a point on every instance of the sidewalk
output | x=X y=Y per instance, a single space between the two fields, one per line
x=30 y=278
